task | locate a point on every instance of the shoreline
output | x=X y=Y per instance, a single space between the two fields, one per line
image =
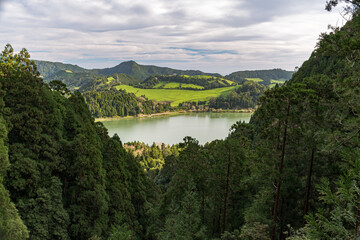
x=103 y=119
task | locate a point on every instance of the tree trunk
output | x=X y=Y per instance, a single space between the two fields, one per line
x=308 y=186
x=280 y=171
x=226 y=192
x=203 y=206
x=308 y=181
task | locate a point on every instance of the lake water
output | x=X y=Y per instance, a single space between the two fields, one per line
x=171 y=129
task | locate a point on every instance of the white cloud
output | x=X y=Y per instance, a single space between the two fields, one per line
x=227 y=35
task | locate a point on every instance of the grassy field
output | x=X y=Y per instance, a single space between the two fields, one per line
x=177 y=85
x=281 y=81
x=172 y=85
x=193 y=86
x=254 y=79
x=177 y=96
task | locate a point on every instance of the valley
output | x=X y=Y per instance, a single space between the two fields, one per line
x=151 y=89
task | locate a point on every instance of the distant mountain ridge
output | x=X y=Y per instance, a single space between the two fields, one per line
x=142 y=72
x=132 y=68
x=47 y=68
x=132 y=73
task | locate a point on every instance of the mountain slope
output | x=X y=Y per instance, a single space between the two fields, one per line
x=47 y=68
x=144 y=71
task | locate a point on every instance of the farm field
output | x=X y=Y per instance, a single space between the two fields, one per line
x=281 y=81
x=177 y=96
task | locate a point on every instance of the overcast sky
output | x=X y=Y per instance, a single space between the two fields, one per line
x=209 y=35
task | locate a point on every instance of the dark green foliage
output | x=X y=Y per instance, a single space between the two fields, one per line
x=265 y=75
x=59 y=86
x=67 y=177
x=245 y=96
x=184 y=220
x=11 y=226
x=217 y=172
x=53 y=220
x=152 y=158
x=86 y=199
x=119 y=103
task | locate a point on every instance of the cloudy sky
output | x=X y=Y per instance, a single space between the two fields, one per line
x=210 y=35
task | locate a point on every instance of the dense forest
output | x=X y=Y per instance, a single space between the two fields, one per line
x=67 y=178
x=245 y=96
x=293 y=172
x=120 y=103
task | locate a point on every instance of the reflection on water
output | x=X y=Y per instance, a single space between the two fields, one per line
x=171 y=129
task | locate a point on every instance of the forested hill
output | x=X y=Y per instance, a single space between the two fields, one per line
x=131 y=68
x=265 y=75
x=47 y=68
x=144 y=71
x=87 y=81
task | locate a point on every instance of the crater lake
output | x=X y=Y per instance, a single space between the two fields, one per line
x=171 y=129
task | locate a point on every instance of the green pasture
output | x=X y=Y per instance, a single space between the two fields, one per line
x=254 y=79
x=280 y=81
x=172 y=85
x=187 y=85
x=177 y=96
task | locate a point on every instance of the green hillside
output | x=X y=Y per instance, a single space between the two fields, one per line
x=86 y=81
x=265 y=75
x=47 y=68
x=186 y=82
x=144 y=71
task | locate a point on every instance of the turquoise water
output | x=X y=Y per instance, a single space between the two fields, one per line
x=171 y=129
